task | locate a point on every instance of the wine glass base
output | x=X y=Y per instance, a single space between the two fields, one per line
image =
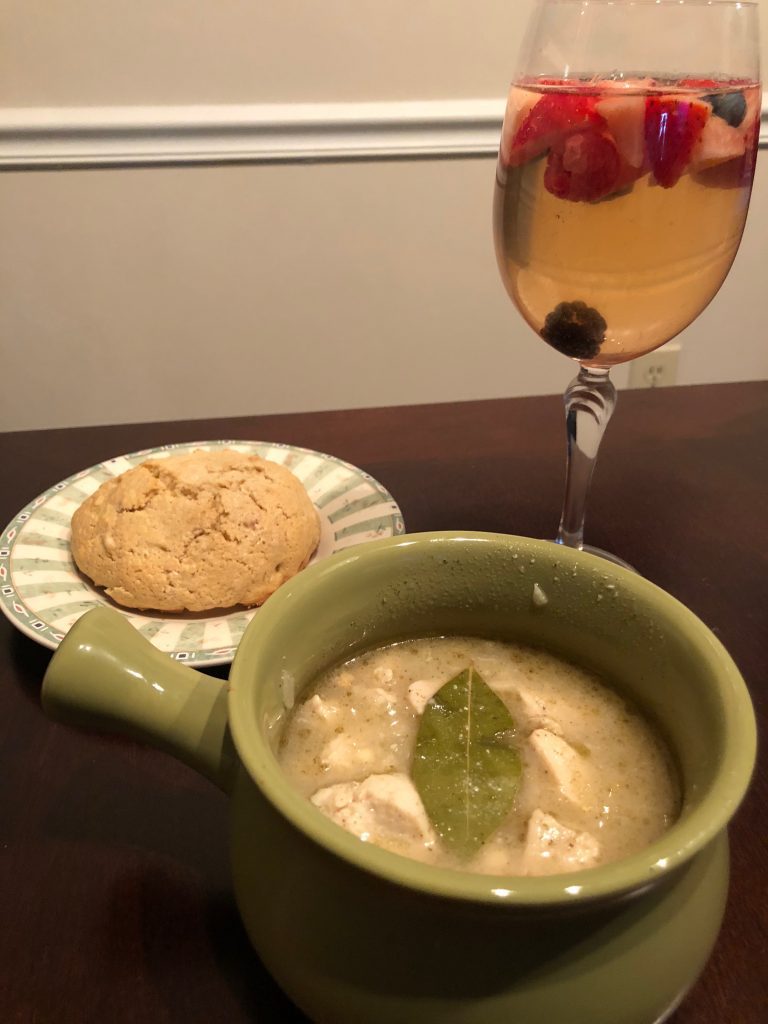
x=609 y=557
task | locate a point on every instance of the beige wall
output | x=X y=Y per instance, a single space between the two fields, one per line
x=208 y=291
x=81 y=52
x=78 y=52
x=156 y=294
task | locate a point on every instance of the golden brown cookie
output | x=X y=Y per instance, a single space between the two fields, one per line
x=196 y=531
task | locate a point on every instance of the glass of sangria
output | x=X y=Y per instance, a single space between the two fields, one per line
x=623 y=181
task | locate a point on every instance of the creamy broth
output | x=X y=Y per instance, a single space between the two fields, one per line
x=597 y=783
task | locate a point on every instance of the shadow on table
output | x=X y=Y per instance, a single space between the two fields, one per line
x=248 y=979
x=204 y=968
x=147 y=842
x=30 y=660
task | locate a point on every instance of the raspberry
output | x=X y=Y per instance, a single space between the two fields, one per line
x=584 y=167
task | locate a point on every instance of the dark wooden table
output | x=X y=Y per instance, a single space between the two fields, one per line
x=115 y=903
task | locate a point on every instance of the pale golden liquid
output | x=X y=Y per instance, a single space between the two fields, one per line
x=649 y=260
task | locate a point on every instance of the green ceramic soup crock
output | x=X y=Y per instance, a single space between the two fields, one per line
x=356 y=934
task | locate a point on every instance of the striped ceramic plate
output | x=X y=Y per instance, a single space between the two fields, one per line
x=43 y=594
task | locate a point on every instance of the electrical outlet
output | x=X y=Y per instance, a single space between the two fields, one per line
x=656 y=370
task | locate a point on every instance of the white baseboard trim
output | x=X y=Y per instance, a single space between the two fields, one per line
x=47 y=138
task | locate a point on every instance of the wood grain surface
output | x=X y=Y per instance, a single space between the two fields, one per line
x=115 y=898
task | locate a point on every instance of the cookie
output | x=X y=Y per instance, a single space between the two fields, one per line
x=195 y=532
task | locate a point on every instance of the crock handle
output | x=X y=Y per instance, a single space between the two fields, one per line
x=106 y=676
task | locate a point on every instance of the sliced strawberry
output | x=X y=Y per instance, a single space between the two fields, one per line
x=583 y=167
x=673 y=125
x=713 y=84
x=699 y=83
x=550 y=120
x=567 y=82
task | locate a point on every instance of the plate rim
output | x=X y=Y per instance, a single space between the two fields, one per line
x=41 y=631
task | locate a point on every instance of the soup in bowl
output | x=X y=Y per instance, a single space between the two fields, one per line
x=480 y=755
x=354 y=931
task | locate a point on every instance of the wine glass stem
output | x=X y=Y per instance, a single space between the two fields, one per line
x=589 y=402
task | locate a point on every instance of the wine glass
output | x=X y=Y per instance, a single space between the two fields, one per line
x=625 y=169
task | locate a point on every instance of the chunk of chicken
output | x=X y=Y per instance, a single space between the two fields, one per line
x=569 y=770
x=315 y=712
x=342 y=752
x=383 y=809
x=384 y=675
x=551 y=848
x=530 y=711
x=421 y=692
x=322 y=708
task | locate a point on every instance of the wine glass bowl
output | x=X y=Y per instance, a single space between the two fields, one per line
x=622 y=187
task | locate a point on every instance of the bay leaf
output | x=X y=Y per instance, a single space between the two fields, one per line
x=465 y=766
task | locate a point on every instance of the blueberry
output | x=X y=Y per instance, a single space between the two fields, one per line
x=575 y=329
x=731 y=106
